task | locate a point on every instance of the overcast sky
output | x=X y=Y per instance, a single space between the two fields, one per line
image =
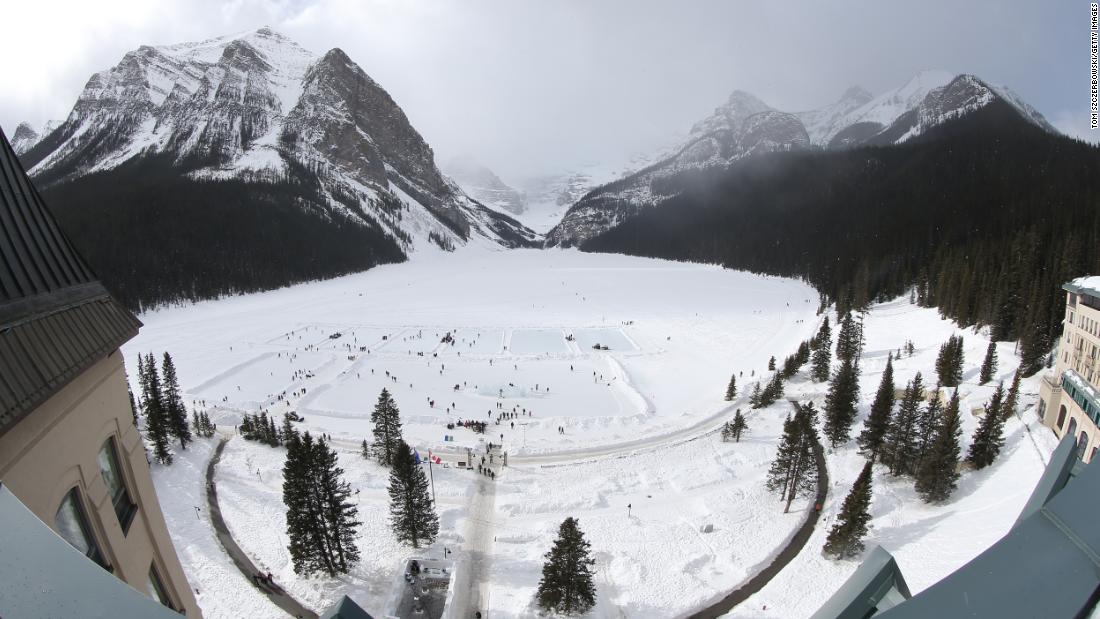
x=530 y=87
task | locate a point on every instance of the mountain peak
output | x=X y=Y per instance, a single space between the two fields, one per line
x=856 y=93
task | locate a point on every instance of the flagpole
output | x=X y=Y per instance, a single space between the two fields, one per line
x=431 y=476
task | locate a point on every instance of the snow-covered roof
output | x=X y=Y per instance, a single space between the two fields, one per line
x=1089 y=284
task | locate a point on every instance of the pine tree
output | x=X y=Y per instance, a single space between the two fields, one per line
x=290 y=433
x=754 y=399
x=939 y=472
x=172 y=401
x=339 y=514
x=308 y=545
x=840 y=403
x=771 y=364
x=878 y=421
x=387 y=428
x=727 y=432
x=822 y=353
x=731 y=389
x=794 y=470
x=196 y=423
x=771 y=392
x=207 y=427
x=849 y=342
x=927 y=423
x=846 y=537
x=988 y=438
x=949 y=362
x=899 y=448
x=133 y=405
x=412 y=514
x=737 y=426
x=989 y=366
x=365 y=450
x=567 y=585
x=156 y=422
x=1013 y=397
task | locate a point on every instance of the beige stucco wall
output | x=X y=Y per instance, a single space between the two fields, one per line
x=54 y=448
x=1078 y=350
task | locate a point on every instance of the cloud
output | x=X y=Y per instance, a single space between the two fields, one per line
x=530 y=87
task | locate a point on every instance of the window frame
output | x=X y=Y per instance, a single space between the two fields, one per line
x=125 y=507
x=157 y=589
x=95 y=551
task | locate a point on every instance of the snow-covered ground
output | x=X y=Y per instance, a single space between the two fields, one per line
x=595 y=430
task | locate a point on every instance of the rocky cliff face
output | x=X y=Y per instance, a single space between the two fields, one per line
x=744 y=126
x=483 y=185
x=258 y=107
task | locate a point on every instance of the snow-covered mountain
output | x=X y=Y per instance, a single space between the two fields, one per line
x=745 y=126
x=258 y=107
x=482 y=184
x=26 y=136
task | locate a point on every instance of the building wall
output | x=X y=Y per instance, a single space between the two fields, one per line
x=55 y=448
x=1078 y=350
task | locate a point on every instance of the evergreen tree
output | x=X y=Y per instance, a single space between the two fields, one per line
x=846 y=537
x=157 y=425
x=899 y=448
x=878 y=421
x=989 y=365
x=412 y=514
x=365 y=450
x=737 y=426
x=196 y=423
x=133 y=405
x=771 y=364
x=772 y=391
x=308 y=545
x=754 y=399
x=731 y=389
x=794 y=470
x=988 y=438
x=849 y=342
x=290 y=433
x=727 y=432
x=822 y=353
x=566 y=585
x=949 y=362
x=939 y=472
x=927 y=423
x=339 y=514
x=172 y=401
x=321 y=520
x=208 y=428
x=840 y=403
x=387 y=428
x=1009 y=407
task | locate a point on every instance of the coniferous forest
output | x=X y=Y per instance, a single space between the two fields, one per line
x=985 y=217
x=156 y=236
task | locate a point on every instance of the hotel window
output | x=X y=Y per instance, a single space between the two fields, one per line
x=125 y=508
x=72 y=524
x=157 y=590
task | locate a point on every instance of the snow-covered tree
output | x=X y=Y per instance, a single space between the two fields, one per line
x=567 y=585
x=737 y=426
x=731 y=389
x=949 y=362
x=157 y=425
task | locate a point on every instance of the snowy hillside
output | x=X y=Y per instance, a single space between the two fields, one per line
x=745 y=126
x=258 y=107
x=624 y=439
x=480 y=183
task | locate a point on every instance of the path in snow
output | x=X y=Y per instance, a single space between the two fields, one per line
x=277 y=595
x=785 y=555
x=479 y=545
